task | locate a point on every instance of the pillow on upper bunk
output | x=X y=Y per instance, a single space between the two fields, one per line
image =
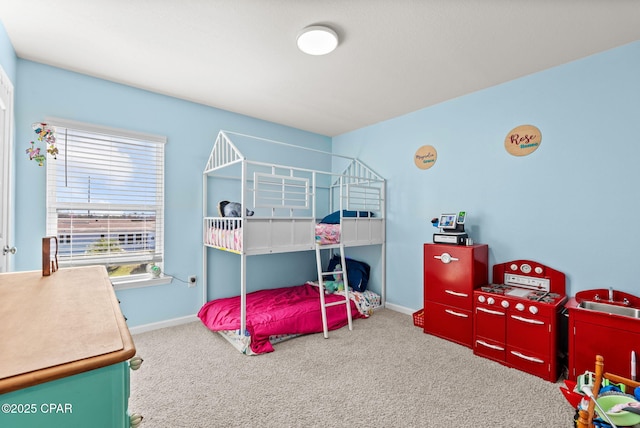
x=334 y=217
x=231 y=209
x=357 y=272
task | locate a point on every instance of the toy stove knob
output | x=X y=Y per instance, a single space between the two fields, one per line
x=491 y=300
x=533 y=310
x=525 y=268
x=481 y=299
x=505 y=304
x=520 y=307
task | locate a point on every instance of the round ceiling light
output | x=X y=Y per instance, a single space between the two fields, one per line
x=317 y=40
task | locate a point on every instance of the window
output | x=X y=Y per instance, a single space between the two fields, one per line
x=105 y=198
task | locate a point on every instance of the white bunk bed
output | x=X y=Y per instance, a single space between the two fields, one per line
x=291 y=189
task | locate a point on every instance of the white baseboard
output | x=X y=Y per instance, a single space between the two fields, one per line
x=398 y=308
x=163 y=324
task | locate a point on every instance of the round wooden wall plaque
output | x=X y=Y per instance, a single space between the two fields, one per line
x=425 y=157
x=523 y=140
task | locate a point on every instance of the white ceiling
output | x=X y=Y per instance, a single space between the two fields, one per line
x=394 y=57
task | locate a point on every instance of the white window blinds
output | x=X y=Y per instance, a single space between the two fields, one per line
x=105 y=197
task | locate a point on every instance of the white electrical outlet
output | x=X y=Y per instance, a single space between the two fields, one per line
x=191 y=280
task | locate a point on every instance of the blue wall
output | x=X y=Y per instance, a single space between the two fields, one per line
x=190 y=128
x=572 y=204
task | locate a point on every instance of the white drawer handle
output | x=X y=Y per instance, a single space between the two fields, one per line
x=458 y=314
x=489 y=311
x=530 y=321
x=488 y=345
x=135 y=363
x=445 y=258
x=524 y=357
x=135 y=420
x=454 y=293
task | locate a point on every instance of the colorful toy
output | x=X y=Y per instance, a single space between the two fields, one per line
x=588 y=378
x=47 y=135
x=34 y=154
x=569 y=391
x=337 y=284
x=154 y=270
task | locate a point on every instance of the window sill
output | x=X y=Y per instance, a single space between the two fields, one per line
x=124 y=284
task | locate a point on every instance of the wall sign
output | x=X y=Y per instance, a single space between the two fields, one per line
x=425 y=157
x=523 y=140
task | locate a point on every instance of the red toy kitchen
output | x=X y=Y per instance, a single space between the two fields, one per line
x=524 y=319
x=517 y=319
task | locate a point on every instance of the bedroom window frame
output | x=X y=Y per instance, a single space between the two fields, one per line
x=128 y=201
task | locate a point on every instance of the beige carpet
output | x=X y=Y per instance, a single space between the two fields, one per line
x=384 y=373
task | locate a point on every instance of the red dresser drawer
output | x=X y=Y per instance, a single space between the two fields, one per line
x=451 y=272
x=449 y=323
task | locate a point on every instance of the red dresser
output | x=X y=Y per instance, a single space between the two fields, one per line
x=451 y=273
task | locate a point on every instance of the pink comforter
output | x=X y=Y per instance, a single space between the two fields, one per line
x=288 y=310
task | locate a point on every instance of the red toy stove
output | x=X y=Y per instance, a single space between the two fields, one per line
x=516 y=322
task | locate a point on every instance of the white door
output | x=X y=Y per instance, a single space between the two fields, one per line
x=6 y=128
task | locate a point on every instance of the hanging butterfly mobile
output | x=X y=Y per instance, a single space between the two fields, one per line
x=46 y=134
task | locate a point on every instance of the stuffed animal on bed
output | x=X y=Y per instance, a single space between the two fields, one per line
x=231 y=209
x=336 y=284
x=357 y=272
x=333 y=286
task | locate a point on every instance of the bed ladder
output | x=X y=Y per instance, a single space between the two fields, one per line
x=343 y=272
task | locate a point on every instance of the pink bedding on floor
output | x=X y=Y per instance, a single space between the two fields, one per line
x=287 y=310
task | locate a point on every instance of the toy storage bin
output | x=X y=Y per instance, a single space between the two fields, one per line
x=418 y=318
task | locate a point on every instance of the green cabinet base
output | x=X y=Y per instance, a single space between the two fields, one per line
x=98 y=398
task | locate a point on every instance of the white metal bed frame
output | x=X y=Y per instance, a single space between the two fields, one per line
x=285 y=200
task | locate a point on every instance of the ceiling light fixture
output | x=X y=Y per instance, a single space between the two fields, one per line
x=317 y=40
